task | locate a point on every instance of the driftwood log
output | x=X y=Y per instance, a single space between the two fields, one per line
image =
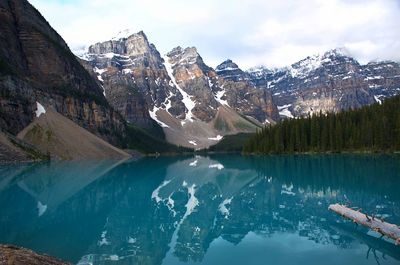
x=385 y=229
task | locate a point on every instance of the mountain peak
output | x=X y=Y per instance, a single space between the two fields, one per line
x=188 y=55
x=126 y=43
x=175 y=51
x=338 y=52
x=125 y=34
x=231 y=71
x=227 y=65
x=311 y=63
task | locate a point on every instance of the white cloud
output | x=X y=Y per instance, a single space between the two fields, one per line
x=273 y=33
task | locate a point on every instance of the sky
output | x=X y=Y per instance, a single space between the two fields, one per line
x=273 y=33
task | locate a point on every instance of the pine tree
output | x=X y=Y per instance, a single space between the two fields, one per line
x=371 y=128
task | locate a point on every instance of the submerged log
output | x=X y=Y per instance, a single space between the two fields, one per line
x=385 y=229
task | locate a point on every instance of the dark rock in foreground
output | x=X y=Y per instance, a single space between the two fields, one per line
x=12 y=255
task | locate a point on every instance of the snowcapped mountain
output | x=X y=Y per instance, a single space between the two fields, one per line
x=333 y=81
x=230 y=71
x=197 y=105
x=383 y=79
x=193 y=104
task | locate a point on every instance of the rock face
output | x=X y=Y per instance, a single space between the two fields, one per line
x=188 y=98
x=230 y=71
x=383 y=79
x=37 y=65
x=178 y=91
x=134 y=77
x=333 y=81
x=242 y=95
x=193 y=77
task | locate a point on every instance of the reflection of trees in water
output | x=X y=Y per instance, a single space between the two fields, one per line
x=257 y=206
x=263 y=208
x=270 y=195
x=374 y=173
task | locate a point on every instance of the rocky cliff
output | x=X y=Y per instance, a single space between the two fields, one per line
x=37 y=65
x=134 y=77
x=178 y=91
x=240 y=93
x=333 y=81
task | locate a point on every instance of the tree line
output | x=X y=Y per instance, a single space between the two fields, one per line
x=374 y=128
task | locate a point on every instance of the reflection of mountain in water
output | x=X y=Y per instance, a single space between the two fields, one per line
x=156 y=211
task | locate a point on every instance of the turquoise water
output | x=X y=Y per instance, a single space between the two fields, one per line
x=202 y=210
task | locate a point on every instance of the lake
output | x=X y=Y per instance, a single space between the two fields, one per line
x=222 y=209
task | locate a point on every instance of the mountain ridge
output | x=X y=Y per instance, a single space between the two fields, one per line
x=182 y=88
x=178 y=90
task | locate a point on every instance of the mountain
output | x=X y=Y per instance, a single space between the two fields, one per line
x=333 y=81
x=243 y=96
x=230 y=71
x=190 y=100
x=124 y=91
x=37 y=65
x=193 y=104
x=383 y=79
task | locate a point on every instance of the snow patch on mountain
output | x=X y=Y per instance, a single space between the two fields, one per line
x=227 y=69
x=168 y=102
x=217 y=138
x=99 y=73
x=124 y=34
x=284 y=111
x=39 y=109
x=378 y=99
x=219 y=95
x=187 y=101
x=153 y=115
x=306 y=66
x=192 y=142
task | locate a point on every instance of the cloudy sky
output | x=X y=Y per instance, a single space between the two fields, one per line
x=252 y=32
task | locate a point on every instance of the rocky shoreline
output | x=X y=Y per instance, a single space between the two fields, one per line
x=12 y=255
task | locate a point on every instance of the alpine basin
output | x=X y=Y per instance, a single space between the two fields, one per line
x=225 y=209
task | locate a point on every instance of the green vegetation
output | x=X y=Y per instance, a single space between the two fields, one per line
x=231 y=143
x=374 y=128
x=140 y=140
x=221 y=125
x=30 y=150
x=245 y=125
